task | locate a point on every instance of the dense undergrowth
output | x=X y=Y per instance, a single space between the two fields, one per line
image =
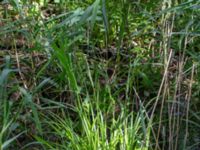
x=90 y=75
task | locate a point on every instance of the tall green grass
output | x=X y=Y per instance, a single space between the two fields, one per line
x=75 y=96
x=7 y=119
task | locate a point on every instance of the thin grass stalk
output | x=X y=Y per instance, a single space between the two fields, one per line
x=182 y=62
x=148 y=128
x=106 y=23
x=18 y=66
x=166 y=46
x=159 y=92
x=188 y=105
x=166 y=87
x=173 y=110
x=161 y=85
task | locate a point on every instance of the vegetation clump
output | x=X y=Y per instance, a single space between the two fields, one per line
x=95 y=75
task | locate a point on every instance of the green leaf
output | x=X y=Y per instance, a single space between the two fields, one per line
x=8 y=142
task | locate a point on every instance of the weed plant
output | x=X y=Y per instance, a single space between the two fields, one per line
x=99 y=75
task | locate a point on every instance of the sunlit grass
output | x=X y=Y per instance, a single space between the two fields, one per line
x=99 y=75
